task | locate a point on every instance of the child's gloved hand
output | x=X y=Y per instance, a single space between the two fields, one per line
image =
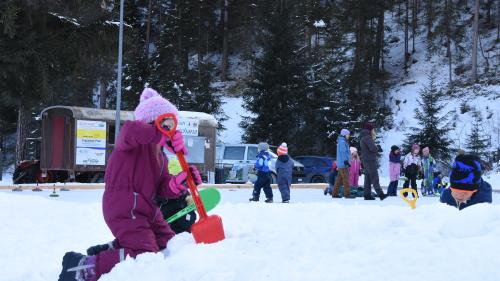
x=176 y=184
x=174 y=144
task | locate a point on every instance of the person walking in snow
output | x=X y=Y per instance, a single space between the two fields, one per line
x=136 y=173
x=284 y=169
x=369 y=155
x=394 y=170
x=428 y=165
x=355 y=169
x=343 y=164
x=263 y=174
x=331 y=179
x=411 y=167
x=467 y=187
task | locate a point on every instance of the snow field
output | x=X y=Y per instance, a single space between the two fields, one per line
x=314 y=238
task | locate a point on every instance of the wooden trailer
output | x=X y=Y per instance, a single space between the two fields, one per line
x=79 y=140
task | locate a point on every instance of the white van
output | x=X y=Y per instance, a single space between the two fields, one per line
x=236 y=162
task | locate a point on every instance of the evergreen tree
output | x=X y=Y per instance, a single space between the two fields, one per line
x=276 y=93
x=433 y=123
x=477 y=141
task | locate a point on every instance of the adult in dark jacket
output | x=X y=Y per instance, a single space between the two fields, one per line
x=369 y=155
x=466 y=185
x=284 y=169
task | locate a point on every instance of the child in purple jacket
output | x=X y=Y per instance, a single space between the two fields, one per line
x=136 y=173
x=394 y=170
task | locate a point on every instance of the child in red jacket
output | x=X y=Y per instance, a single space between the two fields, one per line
x=136 y=173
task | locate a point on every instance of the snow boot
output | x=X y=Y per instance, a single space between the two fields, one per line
x=382 y=196
x=370 y=198
x=253 y=199
x=350 y=196
x=285 y=201
x=336 y=196
x=77 y=267
x=269 y=200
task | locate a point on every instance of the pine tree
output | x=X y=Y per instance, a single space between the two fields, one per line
x=276 y=93
x=433 y=126
x=477 y=141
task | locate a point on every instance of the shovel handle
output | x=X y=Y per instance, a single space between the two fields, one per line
x=182 y=160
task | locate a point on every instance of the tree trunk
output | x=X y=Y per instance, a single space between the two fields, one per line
x=23 y=121
x=102 y=94
x=379 y=41
x=225 y=51
x=430 y=16
x=414 y=24
x=475 y=28
x=148 y=30
x=448 y=39
x=498 y=20
x=406 y=57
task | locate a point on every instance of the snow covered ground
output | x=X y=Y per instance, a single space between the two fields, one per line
x=314 y=238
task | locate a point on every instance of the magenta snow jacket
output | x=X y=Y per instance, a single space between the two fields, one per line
x=136 y=173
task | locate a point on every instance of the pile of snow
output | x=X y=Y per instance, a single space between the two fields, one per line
x=314 y=238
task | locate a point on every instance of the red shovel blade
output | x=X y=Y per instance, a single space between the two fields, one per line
x=208 y=230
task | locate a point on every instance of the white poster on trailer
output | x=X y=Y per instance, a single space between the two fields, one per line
x=90 y=142
x=188 y=126
x=90 y=156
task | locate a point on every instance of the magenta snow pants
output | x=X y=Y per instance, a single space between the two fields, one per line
x=138 y=230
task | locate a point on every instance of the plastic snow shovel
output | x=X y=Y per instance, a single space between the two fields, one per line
x=210 y=198
x=208 y=229
x=412 y=202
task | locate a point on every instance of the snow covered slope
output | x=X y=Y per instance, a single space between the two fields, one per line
x=314 y=238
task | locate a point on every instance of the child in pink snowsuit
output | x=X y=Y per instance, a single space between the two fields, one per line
x=355 y=168
x=136 y=173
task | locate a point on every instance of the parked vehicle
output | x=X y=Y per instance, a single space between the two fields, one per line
x=235 y=164
x=316 y=168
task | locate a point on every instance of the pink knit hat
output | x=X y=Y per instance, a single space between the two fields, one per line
x=283 y=149
x=153 y=105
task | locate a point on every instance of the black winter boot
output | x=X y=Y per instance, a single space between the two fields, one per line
x=269 y=200
x=253 y=199
x=70 y=260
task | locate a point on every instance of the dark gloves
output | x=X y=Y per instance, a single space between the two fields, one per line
x=347 y=164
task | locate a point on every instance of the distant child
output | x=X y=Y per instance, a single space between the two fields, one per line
x=438 y=184
x=263 y=174
x=467 y=187
x=411 y=166
x=394 y=170
x=284 y=169
x=343 y=164
x=355 y=169
x=428 y=165
x=331 y=179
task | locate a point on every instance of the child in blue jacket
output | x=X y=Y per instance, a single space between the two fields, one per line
x=466 y=184
x=263 y=174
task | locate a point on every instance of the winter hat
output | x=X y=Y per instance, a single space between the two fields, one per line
x=152 y=105
x=465 y=173
x=394 y=148
x=368 y=126
x=263 y=146
x=425 y=150
x=353 y=149
x=344 y=132
x=415 y=147
x=283 y=149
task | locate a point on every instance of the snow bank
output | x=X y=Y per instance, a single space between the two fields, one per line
x=316 y=238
